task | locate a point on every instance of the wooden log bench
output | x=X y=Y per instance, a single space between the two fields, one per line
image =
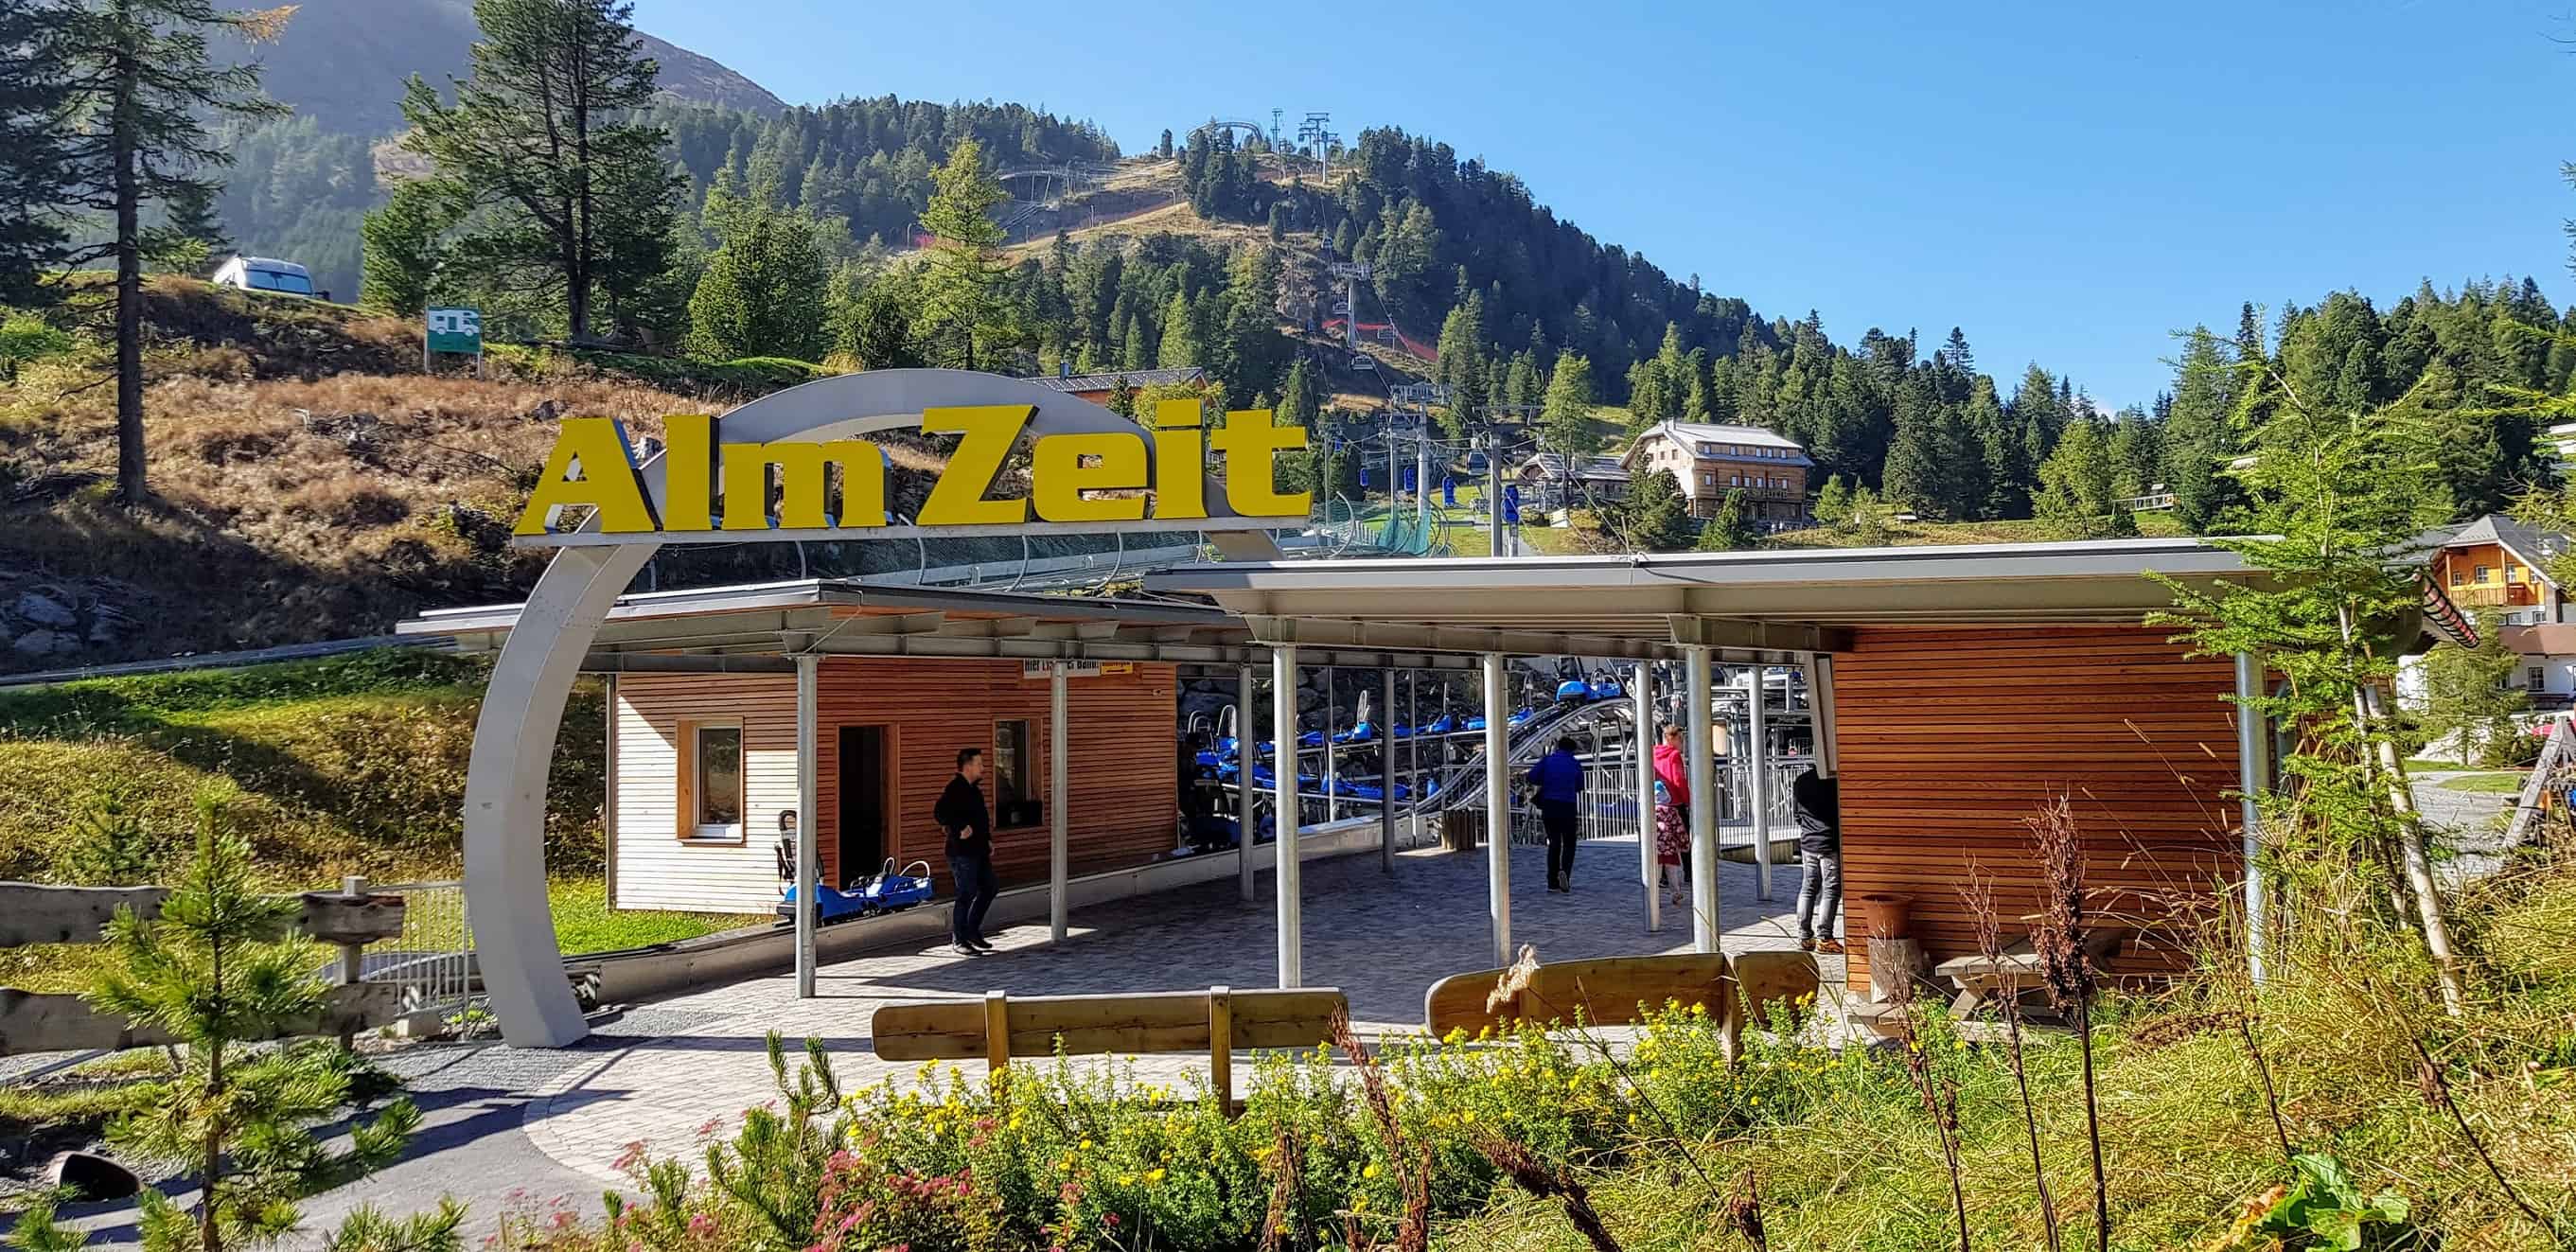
x=1625 y=990
x=1218 y=1021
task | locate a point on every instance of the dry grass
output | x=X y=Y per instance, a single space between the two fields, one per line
x=291 y=509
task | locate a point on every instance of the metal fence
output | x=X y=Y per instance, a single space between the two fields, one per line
x=434 y=959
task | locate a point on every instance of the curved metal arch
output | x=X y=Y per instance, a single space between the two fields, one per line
x=523 y=705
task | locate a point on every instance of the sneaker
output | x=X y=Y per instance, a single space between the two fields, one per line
x=980 y=945
x=1830 y=946
x=962 y=950
x=1807 y=943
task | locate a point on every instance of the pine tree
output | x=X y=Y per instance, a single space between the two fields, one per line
x=1298 y=397
x=36 y=173
x=2200 y=431
x=542 y=140
x=1833 y=502
x=1656 y=517
x=1122 y=394
x=209 y=972
x=143 y=70
x=762 y=294
x=960 y=310
x=1732 y=526
x=406 y=247
x=1566 y=421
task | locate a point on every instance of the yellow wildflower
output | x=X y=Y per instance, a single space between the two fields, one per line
x=1369 y=1171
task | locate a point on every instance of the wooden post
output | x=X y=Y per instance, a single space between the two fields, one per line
x=997 y=1031
x=1221 y=1047
x=353 y=955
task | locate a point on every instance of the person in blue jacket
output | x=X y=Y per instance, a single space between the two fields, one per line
x=1558 y=778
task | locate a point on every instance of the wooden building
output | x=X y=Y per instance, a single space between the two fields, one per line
x=703 y=767
x=1956 y=691
x=1711 y=460
x=703 y=728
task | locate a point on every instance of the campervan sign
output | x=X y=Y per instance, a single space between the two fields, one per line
x=594 y=490
x=456 y=330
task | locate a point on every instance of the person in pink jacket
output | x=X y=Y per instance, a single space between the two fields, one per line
x=1672 y=811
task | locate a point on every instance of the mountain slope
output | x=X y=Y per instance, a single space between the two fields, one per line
x=343 y=63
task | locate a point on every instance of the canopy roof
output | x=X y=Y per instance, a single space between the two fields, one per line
x=753 y=627
x=1758 y=605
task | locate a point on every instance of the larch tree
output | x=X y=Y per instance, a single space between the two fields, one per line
x=961 y=312
x=2078 y=494
x=542 y=139
x=1565 y=420
x=142 y=74
x=2470 y=702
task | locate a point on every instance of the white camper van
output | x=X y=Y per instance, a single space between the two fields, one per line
x=259 y=273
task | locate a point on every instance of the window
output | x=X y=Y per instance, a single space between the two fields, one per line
x=2513 y=573
x=2483 y=571
x=2536 y=678
x=1014 y=789
x=2458 y=579
x=715 y=782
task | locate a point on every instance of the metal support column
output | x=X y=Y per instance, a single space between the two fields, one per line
x=1284 y=879
x=1820 y=712
x=1757 y=774
x=1059 y=857
x=1641 y=688
x=1384 y=725
x=1422 y=479
x=1247 y=802
x=809 y=853
x=1703 y=794
x=2253 y=779
x=1498 y=808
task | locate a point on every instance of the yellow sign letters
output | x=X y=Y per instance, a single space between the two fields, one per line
x=1077 y=480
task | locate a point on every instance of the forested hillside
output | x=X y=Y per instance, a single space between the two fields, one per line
x=1517 y=292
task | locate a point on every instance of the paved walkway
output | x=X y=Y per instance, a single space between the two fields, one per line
x=527 y=1127
x=1382 y=941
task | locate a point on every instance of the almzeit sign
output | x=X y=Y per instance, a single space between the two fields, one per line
x=1089 y=480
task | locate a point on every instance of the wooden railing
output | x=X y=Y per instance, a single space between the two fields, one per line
x=44 y=1022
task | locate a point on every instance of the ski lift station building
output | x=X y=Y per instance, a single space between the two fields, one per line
x=1953 y=692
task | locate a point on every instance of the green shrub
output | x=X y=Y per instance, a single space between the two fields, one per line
x=25 y=337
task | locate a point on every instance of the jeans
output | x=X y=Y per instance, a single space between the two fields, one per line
x=1558 y=817
x=975 y=891
x=1820 y=882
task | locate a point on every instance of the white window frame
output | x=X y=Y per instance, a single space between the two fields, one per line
x=698 y=830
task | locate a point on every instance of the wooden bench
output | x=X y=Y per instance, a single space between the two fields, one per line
x=2015 y=972
x=1624 y=990
x=1217 y=1021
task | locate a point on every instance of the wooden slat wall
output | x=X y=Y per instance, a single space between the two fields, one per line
x=655 y=870
x=1123 y=758
x=1949 y=739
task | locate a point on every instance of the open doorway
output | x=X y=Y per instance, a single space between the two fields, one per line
x=865 y=800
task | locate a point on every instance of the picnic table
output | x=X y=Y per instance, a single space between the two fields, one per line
x=2014 y=972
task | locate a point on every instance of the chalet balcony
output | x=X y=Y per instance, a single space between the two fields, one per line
x=2495 y=595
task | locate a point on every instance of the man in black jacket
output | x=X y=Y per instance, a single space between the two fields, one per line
x=969 y=822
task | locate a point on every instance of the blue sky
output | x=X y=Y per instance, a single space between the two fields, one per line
x=2070 y=183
